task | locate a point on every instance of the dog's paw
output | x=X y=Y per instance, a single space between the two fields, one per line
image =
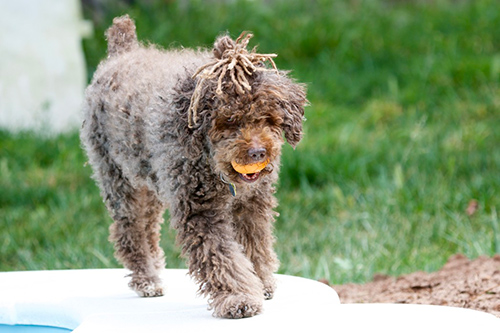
x=269 y=288
x=268 y=294
x=146 y=287
x=236 y=306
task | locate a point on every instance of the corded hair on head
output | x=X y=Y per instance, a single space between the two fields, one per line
x=233 y=58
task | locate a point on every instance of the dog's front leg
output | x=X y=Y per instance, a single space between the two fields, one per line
x=253 y=219
x=217 y=263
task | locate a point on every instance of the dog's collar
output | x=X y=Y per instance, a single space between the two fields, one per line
x=232 y=187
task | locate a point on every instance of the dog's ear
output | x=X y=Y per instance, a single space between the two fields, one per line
x=195 y=140
x=293 y=105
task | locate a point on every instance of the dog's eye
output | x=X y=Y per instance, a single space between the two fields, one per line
x=270 y=121
x=230 y=120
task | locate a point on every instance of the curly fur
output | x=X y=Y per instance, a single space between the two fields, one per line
x=146 y=158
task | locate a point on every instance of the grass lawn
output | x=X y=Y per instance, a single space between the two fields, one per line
x=403 y=132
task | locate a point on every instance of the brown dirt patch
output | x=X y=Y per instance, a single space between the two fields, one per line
x=473 y=284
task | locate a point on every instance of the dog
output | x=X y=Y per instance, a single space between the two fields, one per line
x=199 y=133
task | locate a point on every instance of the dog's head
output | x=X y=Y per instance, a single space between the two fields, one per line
x=244 y=109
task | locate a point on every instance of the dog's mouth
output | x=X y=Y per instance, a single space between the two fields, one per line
x=249 y=172
x=249 y=177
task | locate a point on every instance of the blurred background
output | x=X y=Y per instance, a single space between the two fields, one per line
x=398 y=169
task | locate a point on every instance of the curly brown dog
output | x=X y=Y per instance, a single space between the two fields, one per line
x=199 y=133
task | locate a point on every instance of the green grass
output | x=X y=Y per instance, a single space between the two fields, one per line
x=402 y=133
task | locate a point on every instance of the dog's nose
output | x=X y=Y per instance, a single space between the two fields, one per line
x=257 y=154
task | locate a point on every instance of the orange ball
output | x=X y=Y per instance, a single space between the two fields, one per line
x=249 y=168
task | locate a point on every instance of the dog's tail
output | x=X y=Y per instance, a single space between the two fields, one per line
x=121 y=36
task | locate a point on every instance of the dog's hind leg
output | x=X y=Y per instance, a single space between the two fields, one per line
x=154 y=219
x=137 y=216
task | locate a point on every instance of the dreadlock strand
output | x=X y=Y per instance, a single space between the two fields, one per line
x=243 y=39
x=240 y=74
x=247 y=63
x=201 y=68
x=219 y=81
x=237 y=85
x=216 y=67
x=233 y=63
